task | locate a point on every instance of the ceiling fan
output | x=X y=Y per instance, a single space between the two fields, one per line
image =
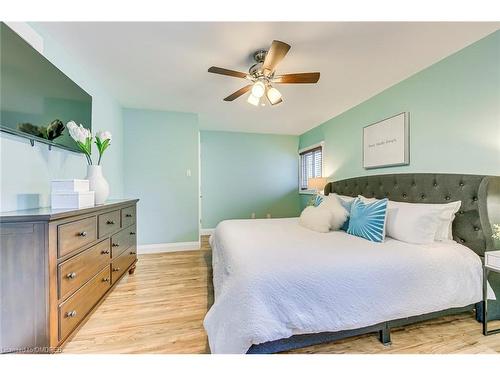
x=262 y=75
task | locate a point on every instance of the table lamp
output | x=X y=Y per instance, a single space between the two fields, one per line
x=317 y=184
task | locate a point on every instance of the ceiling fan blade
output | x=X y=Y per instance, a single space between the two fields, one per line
x=297 y=78
x=226 y=72
x=275 y=54
x=238 y=93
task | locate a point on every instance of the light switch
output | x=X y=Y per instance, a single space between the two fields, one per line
x=188 y=173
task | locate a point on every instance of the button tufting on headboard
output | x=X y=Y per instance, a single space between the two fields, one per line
x=471 y=226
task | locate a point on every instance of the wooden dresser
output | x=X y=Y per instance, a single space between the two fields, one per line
x=56 y=266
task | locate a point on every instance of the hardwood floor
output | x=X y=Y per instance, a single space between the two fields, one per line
x=160 y=309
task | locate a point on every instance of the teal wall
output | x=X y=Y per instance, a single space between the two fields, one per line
x=454 y=110
x=26 y=171
x=242 y=173
x=160 y=148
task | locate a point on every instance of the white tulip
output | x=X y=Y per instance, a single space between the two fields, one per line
x=85 y=132
x=103 y=135
x=71 y=125
x=74 y=131
x=78 y=133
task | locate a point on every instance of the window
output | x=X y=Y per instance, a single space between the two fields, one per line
x=311 y=165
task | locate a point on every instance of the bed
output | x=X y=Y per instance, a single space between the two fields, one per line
x=280 y=286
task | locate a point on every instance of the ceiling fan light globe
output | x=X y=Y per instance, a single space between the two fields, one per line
x=274 y=95
x=258 y=89
x=253 y=100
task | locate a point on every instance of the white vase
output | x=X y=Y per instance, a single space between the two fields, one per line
x=97 y=183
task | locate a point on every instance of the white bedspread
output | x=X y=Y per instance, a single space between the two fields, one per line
x=274 y=278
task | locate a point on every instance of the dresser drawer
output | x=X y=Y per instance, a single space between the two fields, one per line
x=77 y=270
x=74 y=235
x=122 y=241
x=121 y=263
x=109 y=223
x=493 y=259
x=128 y=216
x=75 y=308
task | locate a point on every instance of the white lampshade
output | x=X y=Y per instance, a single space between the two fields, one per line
x=274 y=96
x=253 y=100
x=258 y=89
x=316 y=183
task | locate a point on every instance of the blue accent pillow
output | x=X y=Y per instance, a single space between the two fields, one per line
x=347 y=205
x=367 y=220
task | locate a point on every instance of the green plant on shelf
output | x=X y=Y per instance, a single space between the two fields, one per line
x=496 y=231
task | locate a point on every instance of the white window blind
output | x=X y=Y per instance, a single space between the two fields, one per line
x=311 y=165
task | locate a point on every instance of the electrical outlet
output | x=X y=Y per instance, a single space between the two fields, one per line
x=268 y=215
x=253 y=215
x=188 y=173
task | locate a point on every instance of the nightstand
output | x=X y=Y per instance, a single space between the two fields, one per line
x=491 y=264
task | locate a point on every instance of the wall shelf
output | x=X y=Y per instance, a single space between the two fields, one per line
x=33 y=139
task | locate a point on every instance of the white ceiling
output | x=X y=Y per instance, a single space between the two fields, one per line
x=164 y=65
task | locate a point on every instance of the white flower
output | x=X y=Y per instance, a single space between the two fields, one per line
x=496 y=231
x=86 y=132
x=71 y=124
x=78 y=133
x=103 y=135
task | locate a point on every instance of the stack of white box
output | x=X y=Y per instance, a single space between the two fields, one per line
x=71 y=194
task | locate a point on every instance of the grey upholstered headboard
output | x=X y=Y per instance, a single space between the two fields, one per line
x=480 y=196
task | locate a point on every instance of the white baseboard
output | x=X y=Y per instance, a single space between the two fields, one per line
x=206 y=232
x=168 y=247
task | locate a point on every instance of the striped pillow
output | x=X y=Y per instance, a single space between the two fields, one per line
x=315 y=200
x=367 y=219
x=347 y=205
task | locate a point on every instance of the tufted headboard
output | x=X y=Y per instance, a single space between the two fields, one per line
x=480 y=196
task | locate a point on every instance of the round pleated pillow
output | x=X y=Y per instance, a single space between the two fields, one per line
x=339 y=213
x=316 y=219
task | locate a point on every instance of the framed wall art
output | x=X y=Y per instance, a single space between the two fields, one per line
x=386 y=143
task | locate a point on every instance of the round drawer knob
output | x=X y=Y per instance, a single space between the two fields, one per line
x=128 y=215
x=133 y=253
x=105 y=279
x=71 y=275
x=105 y=252
x=71 y=314
x=111 y=222
x=115 y=244
x=82 y=234
x=132 y=233
x=116 y=269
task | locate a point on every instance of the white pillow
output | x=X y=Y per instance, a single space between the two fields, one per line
x=339 y=213
x=412 y=222
x=446 y=215
x=316 y=218
x=367 y=200
x=346 y=197
x=444 y=231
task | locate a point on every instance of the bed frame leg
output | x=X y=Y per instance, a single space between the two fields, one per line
x=479 y=311
x=384 y=335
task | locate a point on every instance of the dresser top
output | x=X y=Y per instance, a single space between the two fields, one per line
x=47 y=213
